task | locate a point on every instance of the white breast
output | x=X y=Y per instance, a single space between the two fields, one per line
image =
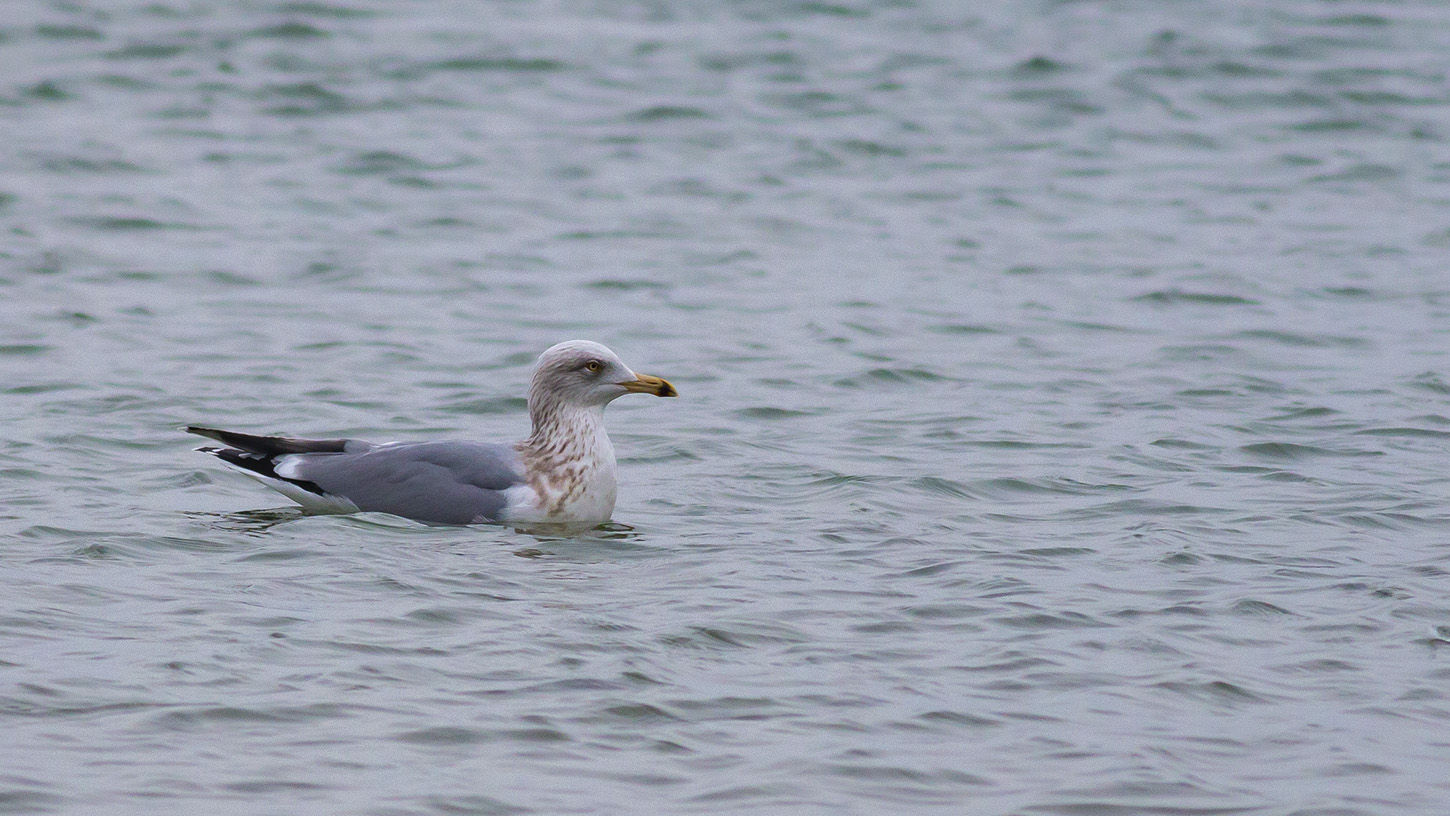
x=578 y=486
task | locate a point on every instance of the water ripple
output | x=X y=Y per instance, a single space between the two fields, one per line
x=1063 y=398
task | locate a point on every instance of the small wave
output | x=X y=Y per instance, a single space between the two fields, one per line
x=1293 y=450
x=1173 y=296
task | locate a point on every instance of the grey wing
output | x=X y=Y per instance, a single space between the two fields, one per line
x=441 y=482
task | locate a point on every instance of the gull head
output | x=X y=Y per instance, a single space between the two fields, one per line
x=584 y=374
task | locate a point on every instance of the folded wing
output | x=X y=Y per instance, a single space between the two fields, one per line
x=440 y=482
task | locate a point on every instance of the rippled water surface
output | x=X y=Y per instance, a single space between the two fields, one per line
x=1064 y=419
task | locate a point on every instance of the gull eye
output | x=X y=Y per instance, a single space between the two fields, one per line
x=593 y=366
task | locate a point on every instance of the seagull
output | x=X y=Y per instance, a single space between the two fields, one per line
x=563 y=473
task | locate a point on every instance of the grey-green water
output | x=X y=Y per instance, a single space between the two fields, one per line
x=1065 y=405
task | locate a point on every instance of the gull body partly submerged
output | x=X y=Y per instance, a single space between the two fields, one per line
x=564 y=472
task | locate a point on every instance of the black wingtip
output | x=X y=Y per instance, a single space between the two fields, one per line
x=269 y=445
x=260 y=464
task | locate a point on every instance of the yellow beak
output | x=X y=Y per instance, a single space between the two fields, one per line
x=645 y=384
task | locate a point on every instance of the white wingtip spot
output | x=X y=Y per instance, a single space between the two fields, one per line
x=287 y=466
